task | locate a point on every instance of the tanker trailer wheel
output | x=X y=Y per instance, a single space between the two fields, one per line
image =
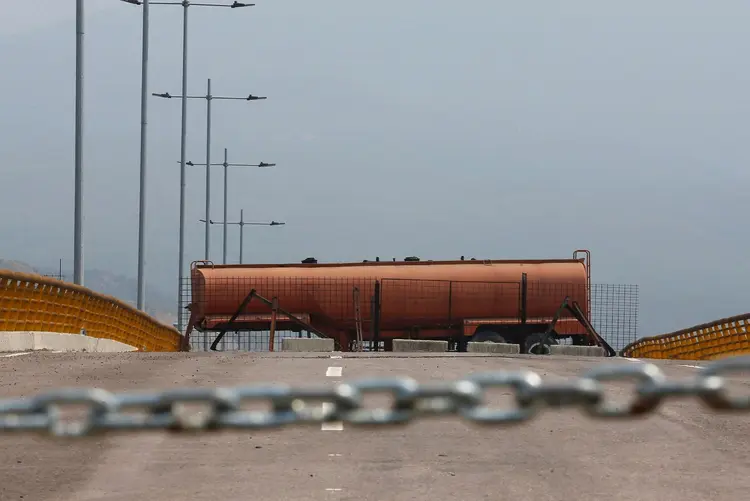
x=488 y=337
x=535 y=344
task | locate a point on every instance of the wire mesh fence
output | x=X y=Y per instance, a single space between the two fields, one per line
x=614 y=313
x=414 y=307
x=257 y=341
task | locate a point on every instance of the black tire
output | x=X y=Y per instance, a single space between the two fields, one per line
x=535 y=344
x=488 y=337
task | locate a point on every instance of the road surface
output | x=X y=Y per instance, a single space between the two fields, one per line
x=683 y=453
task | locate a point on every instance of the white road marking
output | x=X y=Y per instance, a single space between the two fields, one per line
x=17 y=354
x=334 y=455
x=336 y=356
x=334 y=371
x=332 y=426
x=333 y=489
x=335 y=425
x=30 y=352
x=681 y=365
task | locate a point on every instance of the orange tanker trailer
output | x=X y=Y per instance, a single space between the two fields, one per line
x=464 y=300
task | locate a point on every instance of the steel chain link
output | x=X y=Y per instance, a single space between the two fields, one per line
x=465 y=398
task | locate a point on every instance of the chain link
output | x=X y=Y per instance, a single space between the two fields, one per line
x=465 y=398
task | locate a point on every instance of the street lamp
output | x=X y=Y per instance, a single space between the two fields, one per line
x=225 y=164
x=141 y=295
x=242 y=223
x=208 y=97
x=185 y=5
x=78 y=161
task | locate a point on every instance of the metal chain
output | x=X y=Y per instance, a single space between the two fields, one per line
x=465 y=398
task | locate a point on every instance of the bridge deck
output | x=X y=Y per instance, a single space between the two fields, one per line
x=682 y=453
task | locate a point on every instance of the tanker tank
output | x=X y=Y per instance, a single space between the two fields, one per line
x=457 y=300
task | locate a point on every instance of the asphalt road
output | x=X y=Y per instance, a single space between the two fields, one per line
x=681 y=453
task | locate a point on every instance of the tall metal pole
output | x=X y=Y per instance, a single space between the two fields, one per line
x=226 y=169
x=226 y=166
x=208 y=168
x=183 y=135
x=141 y=297
x=242 y=227
x=209 y=98
x=78 y=211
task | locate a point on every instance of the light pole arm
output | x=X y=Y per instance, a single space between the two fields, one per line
x=262 y=164
x=248 y=98
x=167 y=95
x=233 y=5
x=245 y=223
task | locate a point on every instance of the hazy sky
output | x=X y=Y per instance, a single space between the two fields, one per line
x=433 y=128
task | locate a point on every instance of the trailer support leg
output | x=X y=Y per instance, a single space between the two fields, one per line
x=462 y=344
x=252 y=294
x=577 y=313
x=274 y=313
x=226 y=327
x=185 y=341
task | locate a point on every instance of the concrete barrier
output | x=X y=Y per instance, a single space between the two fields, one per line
x=403 y=345
x=577 y=351
x=308 y=345
x=55 y=341
x=512 y=349
x=112 y=346
x=16 y=341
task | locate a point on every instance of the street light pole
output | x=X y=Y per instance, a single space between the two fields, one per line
x=141 y=296
x=224 y=245
x=226 y=165
x=208 y=170
x=78 y=175
x=242 y=223
x=183 y=133
x=209 y=97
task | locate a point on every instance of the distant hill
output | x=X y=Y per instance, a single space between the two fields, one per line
x=158 y=304
x=19 y=266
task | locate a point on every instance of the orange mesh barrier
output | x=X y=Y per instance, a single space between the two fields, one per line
x=40 y=304
x=717 y=339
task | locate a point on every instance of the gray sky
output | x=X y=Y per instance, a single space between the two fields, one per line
x=433 y=128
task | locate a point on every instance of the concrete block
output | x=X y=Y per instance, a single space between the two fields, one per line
x=308 y=345
x=58 y=341
x=405 y=345
x=562 y=349
x=112 y=346
x=16 y=341
x=577 y=351
x=63 y=342
x=506 y=348
x=593 y=351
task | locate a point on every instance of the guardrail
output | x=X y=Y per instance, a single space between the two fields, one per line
x=40 y=304
x=709 y=341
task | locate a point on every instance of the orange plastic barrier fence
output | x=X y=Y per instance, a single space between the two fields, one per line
x=40 y=304
x=717 y=339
